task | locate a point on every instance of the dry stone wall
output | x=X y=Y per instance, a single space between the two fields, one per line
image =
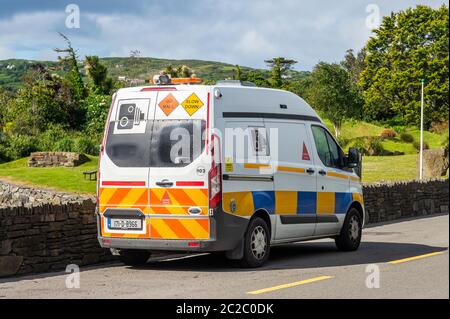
x=42 y=230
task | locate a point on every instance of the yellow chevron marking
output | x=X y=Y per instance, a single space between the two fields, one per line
x=162 y=229
x=106 y=195
x=194 y=228
x=133 y=195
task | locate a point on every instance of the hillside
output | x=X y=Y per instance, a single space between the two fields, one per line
x=12 y=70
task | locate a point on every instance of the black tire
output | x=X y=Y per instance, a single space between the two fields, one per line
x=351 y=232
x=134 y=257
x=256 y=249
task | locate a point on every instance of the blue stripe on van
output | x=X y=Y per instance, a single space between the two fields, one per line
x=306 y=202
x=341 y=202
x=264 y=199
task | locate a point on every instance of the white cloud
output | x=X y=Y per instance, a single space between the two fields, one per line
x=237 y=32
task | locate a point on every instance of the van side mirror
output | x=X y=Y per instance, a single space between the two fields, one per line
x=354 y=160
x=353 y=157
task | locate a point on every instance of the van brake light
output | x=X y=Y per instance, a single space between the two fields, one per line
x=215 y=174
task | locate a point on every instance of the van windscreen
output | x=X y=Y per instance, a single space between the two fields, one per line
x=165 y=143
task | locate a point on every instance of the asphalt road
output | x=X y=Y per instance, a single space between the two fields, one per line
x=301 y=270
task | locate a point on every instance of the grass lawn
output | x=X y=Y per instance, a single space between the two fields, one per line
x=57 y=178
x=375 y=169
x=389 y=168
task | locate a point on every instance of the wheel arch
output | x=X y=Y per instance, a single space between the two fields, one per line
x=264 y=215
x=357 y=205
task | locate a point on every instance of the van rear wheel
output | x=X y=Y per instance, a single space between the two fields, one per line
x=351 y=232
x=256 y=244
x=134 y=257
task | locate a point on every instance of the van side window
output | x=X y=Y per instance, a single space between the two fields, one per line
x=329 y=152
x=320 y=139
x=259 y=141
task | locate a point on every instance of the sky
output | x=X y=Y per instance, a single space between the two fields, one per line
x=236 y=32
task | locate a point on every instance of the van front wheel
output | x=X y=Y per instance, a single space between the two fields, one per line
x=256 y=244
x=351 y=232
x=134 y=257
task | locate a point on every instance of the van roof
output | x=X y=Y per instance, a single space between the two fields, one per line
x=257 y=99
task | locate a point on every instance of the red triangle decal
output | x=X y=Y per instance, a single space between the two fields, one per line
x=305 y=154
x=165 y=200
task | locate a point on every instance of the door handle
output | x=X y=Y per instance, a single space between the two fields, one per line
x=310 y=171
x=322 y=172
x=164 y=183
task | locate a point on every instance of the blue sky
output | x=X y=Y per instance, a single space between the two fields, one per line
x=237 y=32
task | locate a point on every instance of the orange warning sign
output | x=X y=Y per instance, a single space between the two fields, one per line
x=192 y=104
x=305 y=154
x=168 y=104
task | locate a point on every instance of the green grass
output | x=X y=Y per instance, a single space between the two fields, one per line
x=395 y=144
x=434 y=140
x=389 y=168
x=56 y=178
x=375 y=169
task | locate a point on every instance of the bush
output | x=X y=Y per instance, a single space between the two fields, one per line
x=416 y=145
x=407 y=138
x=375 y=148
x=369 y=146
x=388 y=133
x=65 y=144
x=439 y=127
x=48 y=141
x=86 y=145
x=342 y=141
x=20 y=146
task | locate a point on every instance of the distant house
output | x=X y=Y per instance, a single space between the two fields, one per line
x=122 y=78
x=134 y=82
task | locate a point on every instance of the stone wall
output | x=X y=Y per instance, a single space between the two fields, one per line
x=46 y=231
x=43 y=231
x=20 y=195
x=49 y=159
x=390 y=201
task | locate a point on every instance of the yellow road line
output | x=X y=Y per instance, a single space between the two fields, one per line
x=292 y=284
x=399 y=261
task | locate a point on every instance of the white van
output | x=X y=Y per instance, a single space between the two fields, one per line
x=222 y=168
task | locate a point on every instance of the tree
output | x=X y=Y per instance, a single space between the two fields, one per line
x=237 y=73
x=279 y=67
x=98 y=75
x=332 y=92
x=258 y=78
x=181 y=71
x=408 y=46
x=354 y=65
x=73 y=75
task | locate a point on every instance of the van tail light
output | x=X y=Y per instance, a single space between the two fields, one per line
x=215 y=174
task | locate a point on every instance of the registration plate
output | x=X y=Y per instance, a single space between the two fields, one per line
x=125 y=224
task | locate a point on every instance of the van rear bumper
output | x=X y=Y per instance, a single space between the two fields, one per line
x=226 y=233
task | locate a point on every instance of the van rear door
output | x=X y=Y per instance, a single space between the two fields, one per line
x=124 y=165
x=179 y=165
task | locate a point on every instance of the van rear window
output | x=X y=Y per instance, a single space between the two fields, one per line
x=165 y=143
x=176 y=143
